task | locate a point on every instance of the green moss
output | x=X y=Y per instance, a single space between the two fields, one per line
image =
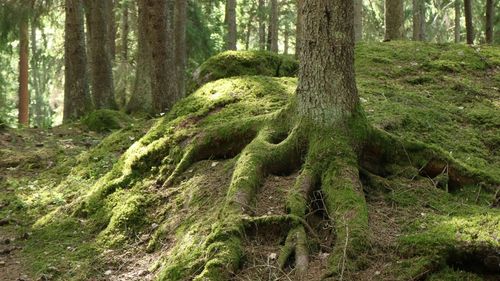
x=448 y=274
x=105 y=120
x=231 y=63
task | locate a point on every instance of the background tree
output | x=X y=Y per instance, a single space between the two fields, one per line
x=230 y=21
x=262 y=24
x=468 y=21
x=418 y=20
x=358 y=20
x=101 y=67
x=180 y=45
x=24 y=95
x=457 y=28
x=394 y=19
x=77 y=100
x=490 y=16
x=274 y=26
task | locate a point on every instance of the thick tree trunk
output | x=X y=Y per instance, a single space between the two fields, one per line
x=419 y=20
x=164 y=72
x=230 y=21
x=141 y=99
x=358 y=20
x=77 y=100
x=274 y=25
x=262 y=24
x=458 y=16
x=326 y=90
x=125 y=31
x=101 y=69
x=180 y=45
x=24 y=96
x=394 y=20
x=490 y=17
x=468 y=21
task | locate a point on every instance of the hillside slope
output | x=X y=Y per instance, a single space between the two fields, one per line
x=152 y=211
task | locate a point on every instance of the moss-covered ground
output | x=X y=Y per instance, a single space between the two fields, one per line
x=149 y=200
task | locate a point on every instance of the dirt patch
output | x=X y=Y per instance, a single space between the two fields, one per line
x=272 y=195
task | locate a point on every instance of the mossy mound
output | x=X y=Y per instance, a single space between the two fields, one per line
x=422 y=226
x=105 y=120
x=232 y=63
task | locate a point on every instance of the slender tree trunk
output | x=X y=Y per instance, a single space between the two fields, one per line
x=111 y=19
x=490 y=17
x=180 y=45
x=419 y=20
x=298 y=31
x=230 y=21
x=358 y=20
x=468 y=21
x=125 y=30
x=24 y=96
x=262 y=24
x=248 y=33
x=37 y=110
x=141 y=99
x=458 y=15
x=101 y=70
x=286 y=39
x=274 y=26
x=327 y=88
x=394 y=20
x=77 y=100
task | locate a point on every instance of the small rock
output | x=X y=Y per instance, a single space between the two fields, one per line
x=154 y=226
x=377 y=272
x=108 y=272
x=215 y=164
x=272 y=256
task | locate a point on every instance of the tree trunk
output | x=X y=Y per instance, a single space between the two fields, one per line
x=36 y=110
x=468 y=21
x=141 y=99
x=394 y=20
x=77 y=100
x=230 y=21
x=111 y=19
x=101 y=70
x=326 y=90
x=419 y=20
x=286 y=42
x=262 y=24
x=274 y=26
x=490 y=17
x=180 y=45
x=164 y=72
x=298 y=31
x=358 y=20
x=457 y=21
x=125 y=31
x=24 y=96
x=251 y=18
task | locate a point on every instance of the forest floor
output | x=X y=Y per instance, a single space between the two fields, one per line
x=447 y=96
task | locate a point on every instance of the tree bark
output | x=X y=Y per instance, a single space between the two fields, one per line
x=262 y=24
x=358 y=20
x=125 y=31
x=141 y=99
x=286 y=42
x=490 y=17
x=24 y=96
x=180 y=45
x=458 y=15
x=468 y=21
x=101 y=70
x=274 y=26
x=418 y=20
x=164 y=72
x=248 y=33
x=394 y=20
x=230 y=21
x=111 y=19
x=327 y=90
x=77 y=100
